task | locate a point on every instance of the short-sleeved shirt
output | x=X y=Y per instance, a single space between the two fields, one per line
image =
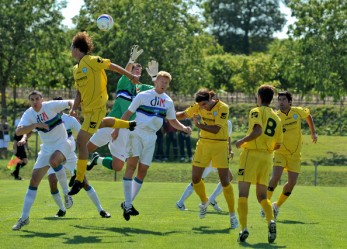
x=125 y=93
x=49 y=114
x=218 y=115
x=91 y=81
x=271 y=127
x=292 y=136
x=151 y=109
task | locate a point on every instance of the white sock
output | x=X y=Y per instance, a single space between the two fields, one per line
x=99 y=160
x=127 y=188
x=94 y=197
x=136 y=186
x=57 y=198
x=61 y=176
x=216 y=192
x=187 y=192
x=29 y=199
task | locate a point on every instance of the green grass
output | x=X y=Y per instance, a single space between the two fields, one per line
x=313 y=217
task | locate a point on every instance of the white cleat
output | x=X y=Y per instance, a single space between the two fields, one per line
x=68 y=201
x=20 y=223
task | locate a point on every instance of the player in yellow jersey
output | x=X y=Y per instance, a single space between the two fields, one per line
x=289 y=155
x=91 y=83
x=212 y=146
x=264 y=135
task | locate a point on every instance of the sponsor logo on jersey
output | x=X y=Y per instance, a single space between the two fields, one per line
x=92 y=125
x=254 y=114
x=241 y=172
x=84 y=70
x=223 y=115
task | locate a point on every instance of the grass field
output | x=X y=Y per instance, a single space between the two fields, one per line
x=313 y=218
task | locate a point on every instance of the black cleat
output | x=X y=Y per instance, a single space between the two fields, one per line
x=243 y=235
x=72 y=180
x=105 y=214
x=132 y=125
x=60 y=213
x=128 y=211
x=272 y=232
x=93 y=161
x=77 y=186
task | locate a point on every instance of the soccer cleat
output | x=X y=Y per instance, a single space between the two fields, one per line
x=105 y=214
x=132 y=125
x=72 y=180
x=77 y=186
x=20 y=223
x=18 y=178
x=68 y=201
x=60 y=213
x=243 y=235
x=276 y=209
x=215 y=206
x=262 y=214
x=181 y=206
x=234 y=223
x=93 y=161
x=203 y=209
x=272 y=231
x=127 y=211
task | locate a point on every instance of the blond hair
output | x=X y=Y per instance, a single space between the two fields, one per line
x=164 y=74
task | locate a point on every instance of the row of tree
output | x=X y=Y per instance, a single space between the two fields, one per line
x=220 y=44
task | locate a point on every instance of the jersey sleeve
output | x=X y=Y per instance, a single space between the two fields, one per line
x=303 y=112
x=135 y=103
x=254 y=118
x=100 y=63
x=222 y=115
x=191 y=110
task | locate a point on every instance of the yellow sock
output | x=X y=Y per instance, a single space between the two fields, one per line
x=81 y=169
x=281 y=199
x=266 y=205
x=119 y=123
x=242 y=210
x=200 y=190
x=229 y=197
x=269 y=194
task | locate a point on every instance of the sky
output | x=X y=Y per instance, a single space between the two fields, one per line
x=73 y=7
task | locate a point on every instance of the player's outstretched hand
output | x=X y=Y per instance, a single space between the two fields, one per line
x=135 y=53
x=152 y=69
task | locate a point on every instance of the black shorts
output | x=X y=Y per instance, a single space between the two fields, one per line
x=21 y=153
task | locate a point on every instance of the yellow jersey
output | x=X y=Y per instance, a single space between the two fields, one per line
x=271 y=126
x=218 y=115
x=292 y=136
x=91 y=81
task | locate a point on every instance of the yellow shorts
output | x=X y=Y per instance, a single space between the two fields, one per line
x=255 y=167
x=291 y=163
x=211 y=150
x=92 y=120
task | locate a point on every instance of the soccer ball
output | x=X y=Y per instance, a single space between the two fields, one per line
x=104 y=22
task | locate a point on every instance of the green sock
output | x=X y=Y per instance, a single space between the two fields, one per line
x=107 y=162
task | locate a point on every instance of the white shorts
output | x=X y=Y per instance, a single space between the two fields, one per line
x=208 y=170
x=142 y=144
x=118 y=147
x=46 y=151
x=69 y=164
x=102 y=136
x=3 y=144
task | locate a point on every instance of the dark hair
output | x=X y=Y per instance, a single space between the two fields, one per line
x=35 y=93
x=287 y=94
x=204 y=95
x=266 y=93
x=83 y=42
x=136 y=65
x=58 y=98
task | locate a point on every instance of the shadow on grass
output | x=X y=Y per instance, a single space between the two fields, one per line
x=296 y=222
x=260 y=245
x=30 y=234
x=127 y=231
x=207 y=230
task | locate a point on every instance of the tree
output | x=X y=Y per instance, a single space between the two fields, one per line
x=165 y=30
x=30 y=43
x=321 y=45
x=244 y=26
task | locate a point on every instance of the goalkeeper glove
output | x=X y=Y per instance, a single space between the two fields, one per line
x=135 y=53
x=152 y=69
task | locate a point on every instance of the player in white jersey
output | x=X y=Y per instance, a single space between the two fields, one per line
x=151 y=107
x=46 y=119
x=71 y=124
x=212 y=199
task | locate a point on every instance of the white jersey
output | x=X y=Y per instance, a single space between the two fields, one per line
x=151 y=109
x=71 y=124
x=49 y=114
x=230 y=128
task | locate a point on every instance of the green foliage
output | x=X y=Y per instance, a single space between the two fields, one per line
x=244 y=26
